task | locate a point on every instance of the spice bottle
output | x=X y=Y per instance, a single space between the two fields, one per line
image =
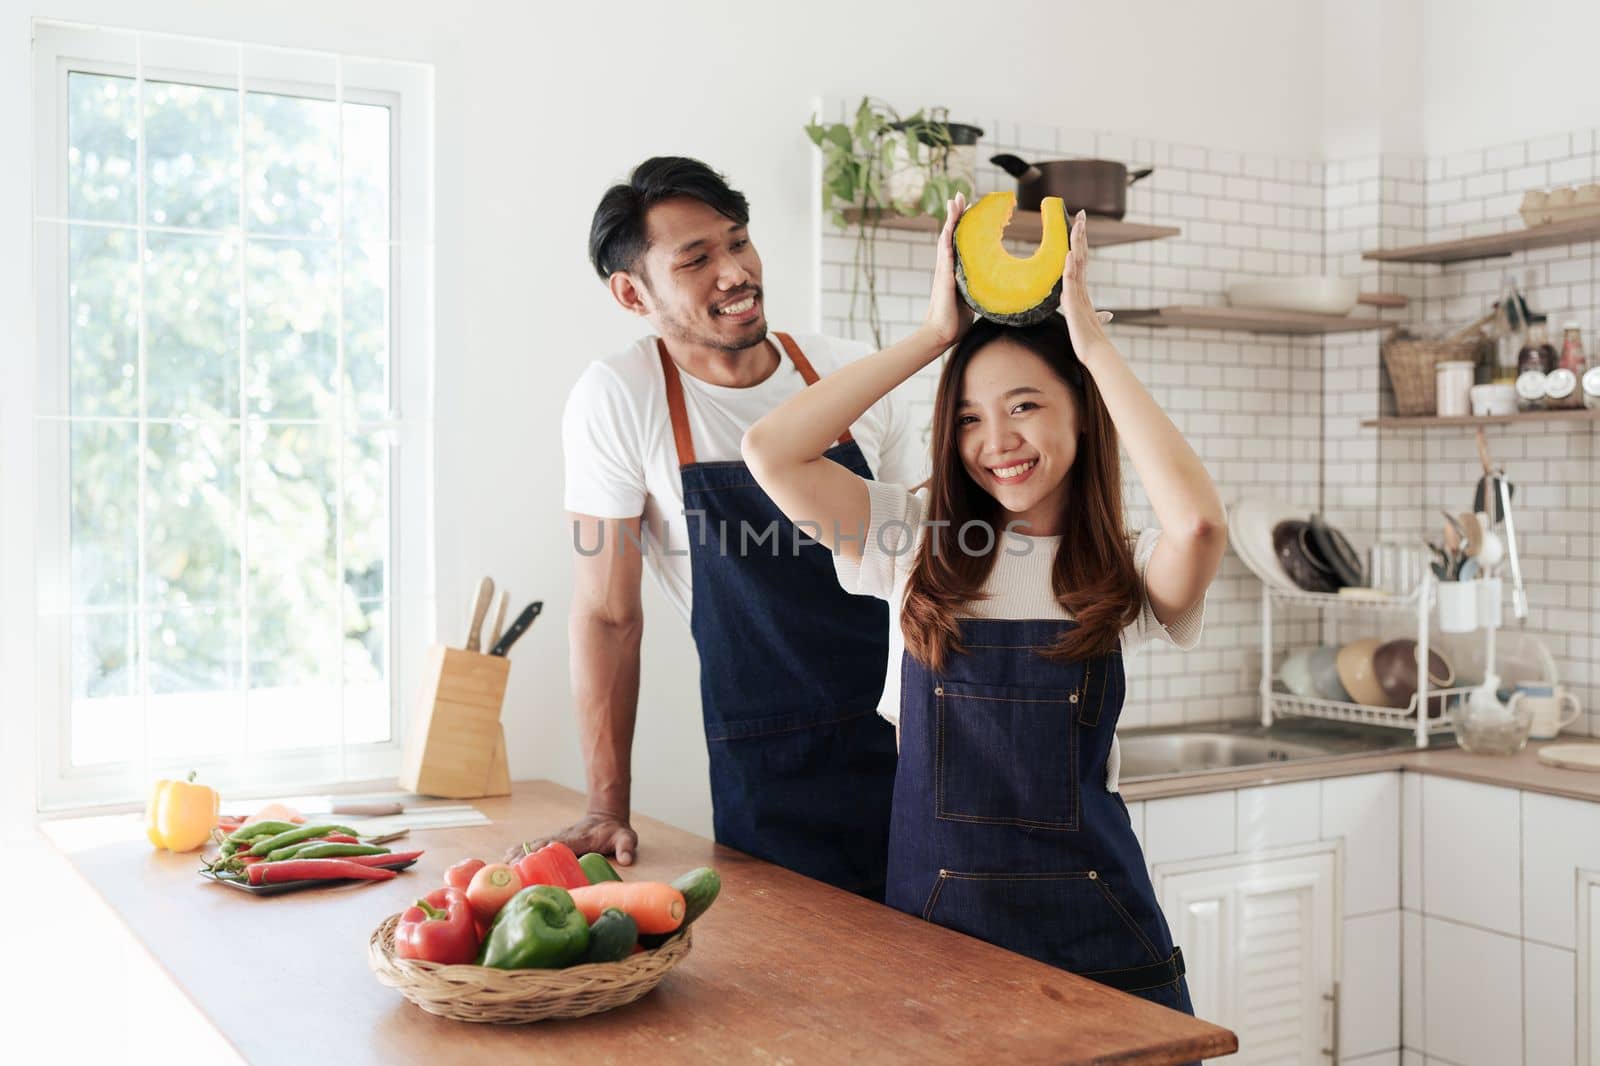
x=1561 y=385
x=1536 y=359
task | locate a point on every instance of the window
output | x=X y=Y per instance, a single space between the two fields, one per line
x=233 y=250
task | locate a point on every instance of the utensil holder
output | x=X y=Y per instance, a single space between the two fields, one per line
x=1458 y=606
x=457 y=746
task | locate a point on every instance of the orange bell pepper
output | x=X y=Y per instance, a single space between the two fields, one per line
x=181 y=814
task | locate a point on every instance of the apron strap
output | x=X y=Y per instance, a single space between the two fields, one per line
x=682 y=439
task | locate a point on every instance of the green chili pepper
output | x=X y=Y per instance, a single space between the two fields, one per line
x=294 y=836
x=323 y=849
x=256 y=829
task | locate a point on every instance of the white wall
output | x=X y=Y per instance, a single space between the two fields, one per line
x=1494 y=72
x=539 y=106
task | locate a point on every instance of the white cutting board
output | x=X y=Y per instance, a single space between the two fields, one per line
x=1571 y=756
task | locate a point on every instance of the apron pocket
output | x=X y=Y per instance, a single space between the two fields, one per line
x=1006 y=756
x=1071 y=920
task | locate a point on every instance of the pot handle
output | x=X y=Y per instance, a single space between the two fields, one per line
x=1135 y=175
x=1016 y=167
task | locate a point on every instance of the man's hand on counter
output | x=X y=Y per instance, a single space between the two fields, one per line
x=605 y=833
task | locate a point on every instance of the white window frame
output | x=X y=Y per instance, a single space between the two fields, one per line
x=407 y=88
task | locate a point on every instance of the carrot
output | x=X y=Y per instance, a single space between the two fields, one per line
x=655 y=906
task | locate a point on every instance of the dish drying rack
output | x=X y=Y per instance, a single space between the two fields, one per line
x=1418 y=602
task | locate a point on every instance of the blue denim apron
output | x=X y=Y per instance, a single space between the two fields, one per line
x=1002 y=826
x=791 y=671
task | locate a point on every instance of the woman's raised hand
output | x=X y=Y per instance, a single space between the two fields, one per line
x=1084 y=323
x=948 y=314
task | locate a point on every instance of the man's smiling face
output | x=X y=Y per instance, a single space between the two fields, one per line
x=702 y=277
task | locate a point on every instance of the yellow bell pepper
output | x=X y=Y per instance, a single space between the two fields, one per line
x=181 y=814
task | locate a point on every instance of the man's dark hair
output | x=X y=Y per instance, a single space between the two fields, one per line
x=617 y=235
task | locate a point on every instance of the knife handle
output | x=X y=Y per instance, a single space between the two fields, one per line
x=480 y=608
x=524 y=620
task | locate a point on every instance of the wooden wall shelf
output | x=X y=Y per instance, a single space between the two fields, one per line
x=1025 y=226
x=1548 y=235
x=1251 y=320
x=1526 y=418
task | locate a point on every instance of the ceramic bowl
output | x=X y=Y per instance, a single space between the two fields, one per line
x=1395 y=665
x=1295 y=673
x=1306 y=571
x=1324 y=665
x=1335 y=551
x=1354 y=663
x=1316 y=293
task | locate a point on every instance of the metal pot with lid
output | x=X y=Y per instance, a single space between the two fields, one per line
x=1097 y=186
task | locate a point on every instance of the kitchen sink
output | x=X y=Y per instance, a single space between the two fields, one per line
x=1220 y=746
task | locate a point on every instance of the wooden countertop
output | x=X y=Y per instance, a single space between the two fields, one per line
x=783 y=968
x=1520 y=771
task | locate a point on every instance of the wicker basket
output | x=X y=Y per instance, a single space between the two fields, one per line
x=1411 y=361
x=511 y=997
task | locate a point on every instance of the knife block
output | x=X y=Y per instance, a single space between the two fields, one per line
x=457 y=747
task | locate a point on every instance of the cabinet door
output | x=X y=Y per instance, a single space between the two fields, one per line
x=1588 y=997
x=1258 y=936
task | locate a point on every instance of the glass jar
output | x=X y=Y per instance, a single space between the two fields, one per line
x=1591 y=388
x=1537 y=352
x=1563 y=390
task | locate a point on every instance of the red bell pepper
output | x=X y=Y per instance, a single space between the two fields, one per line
x=438 y=928
x=460 y=875
x=553 y=864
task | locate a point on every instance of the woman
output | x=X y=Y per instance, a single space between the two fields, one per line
x=1019 y=592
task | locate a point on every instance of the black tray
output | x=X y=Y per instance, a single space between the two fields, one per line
x=295 y=886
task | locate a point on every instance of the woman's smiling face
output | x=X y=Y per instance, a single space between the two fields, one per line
x=1017 y=432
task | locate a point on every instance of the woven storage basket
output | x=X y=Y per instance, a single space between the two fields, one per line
x=510 y=997
x=1411 y=361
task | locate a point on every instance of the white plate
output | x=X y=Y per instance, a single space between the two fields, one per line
x=1250 y=528
x=1315 y=293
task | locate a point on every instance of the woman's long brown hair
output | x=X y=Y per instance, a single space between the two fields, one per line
x=1093 y=576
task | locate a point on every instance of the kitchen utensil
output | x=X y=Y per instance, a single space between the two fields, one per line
x=1334 y=550
x=1251 y=521
x=1491 y=546
x=1295 y=673
x=1452 y=383
x=1313 y=293
x=1471 y=534
x=1453 y=533
x=1519 y=591
x=359 y=808
x=524 y=620
x=1324 y=667
x=1493 y=399
x=1357 y=674
x=1458 y=606
x=295 y=886
x=1571 y=756
x=1289 y=544
x=456 y=747
x=1096 y=186
x=385 y=838
x=480 y=608
x=1394 y=663
x=1467 y=570
x=497 y=618
x=1486 y=495
x=1485 y=726
x=1545 y=703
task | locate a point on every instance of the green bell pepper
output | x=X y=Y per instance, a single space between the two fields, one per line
x=538 y=928
x=596 y=869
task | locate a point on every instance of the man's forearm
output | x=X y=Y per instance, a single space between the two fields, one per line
x=605 y=685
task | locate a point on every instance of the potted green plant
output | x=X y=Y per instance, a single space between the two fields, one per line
x=881 y=162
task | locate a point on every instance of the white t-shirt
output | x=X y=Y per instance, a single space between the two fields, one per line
x=1018 y=587
x=621 y=461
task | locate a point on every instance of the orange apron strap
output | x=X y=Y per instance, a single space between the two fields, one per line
x=675 y=408
x=807 y=372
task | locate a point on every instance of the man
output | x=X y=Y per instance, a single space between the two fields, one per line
x=791 y=667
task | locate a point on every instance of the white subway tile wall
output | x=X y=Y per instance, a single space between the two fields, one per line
x=1280 y=416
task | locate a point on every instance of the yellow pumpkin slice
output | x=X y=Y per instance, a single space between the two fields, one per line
x=995 y=283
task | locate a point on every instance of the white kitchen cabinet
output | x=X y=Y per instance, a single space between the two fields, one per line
x=1588 y=976
x=1259 y=936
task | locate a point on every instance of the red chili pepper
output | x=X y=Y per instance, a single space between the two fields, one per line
x=460 y=875
x=438 y=928
x=341 y=838
x=553 y=864
x=266 y=873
